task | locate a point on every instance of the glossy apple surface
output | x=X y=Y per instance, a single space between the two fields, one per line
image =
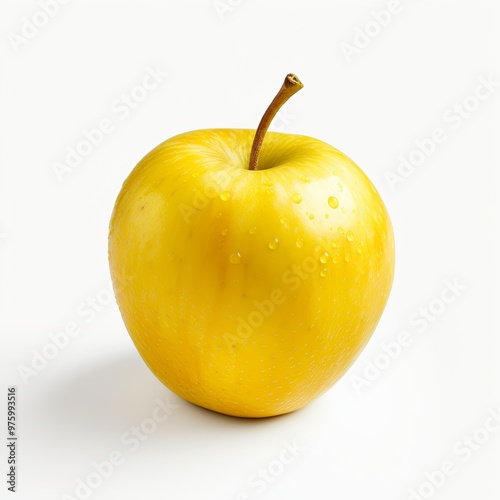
x=249 y=292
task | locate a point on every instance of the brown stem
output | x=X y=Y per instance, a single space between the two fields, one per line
x=291 y=85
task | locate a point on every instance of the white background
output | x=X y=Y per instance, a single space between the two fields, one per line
x=223 y=69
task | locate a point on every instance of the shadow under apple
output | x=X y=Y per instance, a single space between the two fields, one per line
x=110 y=405
x=109 y=396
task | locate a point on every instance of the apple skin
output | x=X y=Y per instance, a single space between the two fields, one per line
x=249 y=292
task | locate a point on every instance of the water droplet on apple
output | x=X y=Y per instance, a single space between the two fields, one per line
x=323 y=272
x=252 y=230
x=335 y=243
x=350 y=236
x=274 y=244
x=359 y=249
x=341 y=187
x=347 y=257
x=235 y=258
x=267 y=182
x=335 y=259
x=224 y=232
x=333 y=202
x=311 y=216
x=299 y=243
x=327 y=216
x=323 y=258
x=296 y=198
x=341 y=230
x=225 y=195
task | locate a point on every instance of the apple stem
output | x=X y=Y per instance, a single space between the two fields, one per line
x=290 y=86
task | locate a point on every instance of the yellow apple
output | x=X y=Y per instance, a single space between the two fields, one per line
x=250 y=273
